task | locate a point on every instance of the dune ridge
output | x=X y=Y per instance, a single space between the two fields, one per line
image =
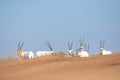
x=62 y=68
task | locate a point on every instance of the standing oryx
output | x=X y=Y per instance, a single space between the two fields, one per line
x=102 y=50
x=83 y=53
x=22 y=54
x=45 y=53
x=70 y=50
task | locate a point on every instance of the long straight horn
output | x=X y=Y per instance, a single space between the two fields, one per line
x=103 y=43
x=88 y=48
x=80 y=41
x=19 y=45
x=85 y=47
x=71 y=45
x=68 y=45
x=49 y=45
x=83 y=41
x=22 y=45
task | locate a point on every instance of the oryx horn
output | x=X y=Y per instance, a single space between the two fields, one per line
x=22 y=45
x=49 y=45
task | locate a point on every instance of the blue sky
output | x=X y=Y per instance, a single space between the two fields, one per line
x=58 y=21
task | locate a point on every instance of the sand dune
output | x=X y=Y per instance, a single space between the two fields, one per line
x=62 y=68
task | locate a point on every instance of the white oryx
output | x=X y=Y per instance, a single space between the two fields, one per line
x=70 y=51
x=45 y=53
x=82 y=53
x=24 y=54
x=102 y=50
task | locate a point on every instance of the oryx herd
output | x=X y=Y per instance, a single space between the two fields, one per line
x=83 y=50
x=30 y=54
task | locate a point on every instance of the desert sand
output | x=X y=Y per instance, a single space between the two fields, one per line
x=62 y=68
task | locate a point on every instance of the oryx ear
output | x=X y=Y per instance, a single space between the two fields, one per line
x=19 y=45
x=22 y=45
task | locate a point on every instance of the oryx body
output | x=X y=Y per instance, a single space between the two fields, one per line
x=45 y=53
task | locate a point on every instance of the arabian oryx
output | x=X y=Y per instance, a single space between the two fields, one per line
x=70 y=50
x=45 y=53
x=83 y=53
x=102 y=50
x=25 y=54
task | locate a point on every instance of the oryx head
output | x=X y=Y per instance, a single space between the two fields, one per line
x=81 y=44
x=19 y=51
x=102 y=42
x=49 y=45
x=70 y=45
